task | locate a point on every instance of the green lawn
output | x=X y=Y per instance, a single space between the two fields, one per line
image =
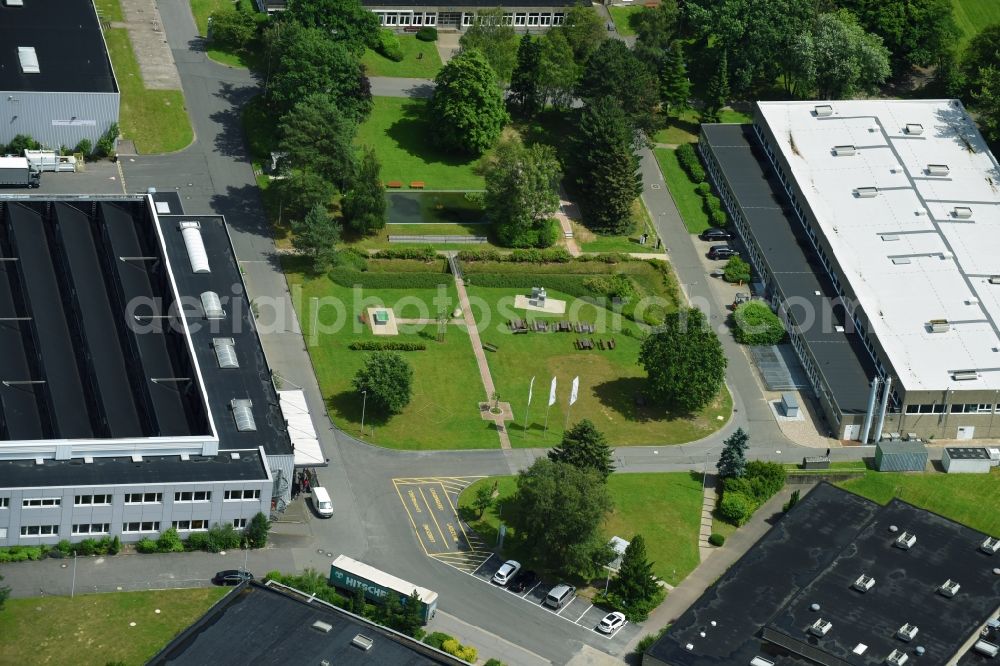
x=610 y=380
x=443 y=413
x=401 y=136
x=961 y=497
x=685 y=127
x=380 y=240
x=689 y=202
x=95 y=628
x=109 y=10
x=627 y=242
x=420 y=60
x=621 y=16
x=664 y=508
x=974 y=15
x=156 y=120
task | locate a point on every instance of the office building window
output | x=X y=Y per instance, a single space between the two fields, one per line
x=143 y=498
x=468 y=18
x=533 y=18
x=418 y=18
x=519 y=19
x=4 y=502
x=35 y=502
x=241 y=495
x=92 y=528
x=139 y=527
x=193 y=496
x=239 y=523
x=92 y=500
x=557 y=19
x=404 y=19
x=430 y=19
x=190 y=525
x=546 y=19
x=39 y=530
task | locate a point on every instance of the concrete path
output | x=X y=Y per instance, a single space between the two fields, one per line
x=709 y=499
x=145 y=31
x=447 y=44
x=488 y=644
x=567 y=213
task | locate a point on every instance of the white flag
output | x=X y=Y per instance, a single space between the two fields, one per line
x=531 y=389
x=552 y=393
x=575 y=391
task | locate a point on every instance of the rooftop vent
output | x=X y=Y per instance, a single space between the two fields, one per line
x=363 y=642
x=844 y=151
x=938 y=170
x=949 y=588
x=990 y=546
x=136 y=458
x=986 y=648
x=212 y=306
x=995 y=279
x=962 y=212
x=820 y=627
x=964 y=375
x=29 y=59
x=225 y=352
x=14 y=3
x=823 y=110
x=907 y=632
x=760 y=661
x=939 y=325
x=243 y=414
x=897 y=658
x=905 y=541
x=234 y=455
x=864 y=583
x=191 y=231
x=88 y=460
x=889 y=237
x=916 y=129
x=325 y=627
x=866 y=192
x=901 y=261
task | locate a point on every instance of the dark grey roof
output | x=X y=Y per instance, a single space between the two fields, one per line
x=973 y=658
x=470 y=5
x=813 y=556
x=968 y=453
x=68 y=43
x=892 y=446
x=252 y=379
x=842 y=359
x=79 y=273
x=123 y=471
x=257 y=625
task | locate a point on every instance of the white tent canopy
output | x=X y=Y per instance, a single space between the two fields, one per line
x=305 y=443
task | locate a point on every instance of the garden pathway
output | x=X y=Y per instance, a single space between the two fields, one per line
x=477 y=349
x=152 y=52
x=568 y=211
x=707 y=507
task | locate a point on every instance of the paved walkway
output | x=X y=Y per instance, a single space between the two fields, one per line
x=709 y=499
x=447 y=44
x=488 y=644
x=567 y=213
x=145 y=31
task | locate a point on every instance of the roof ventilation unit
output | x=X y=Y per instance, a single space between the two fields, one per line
x=939 y=325
x=844 y=151
x=760 y=661
x=14 y=3
x=990 y=546
x=324 y=627
x=907 y=632
x=905 y=541
x=897 y=658
x=995 y=279
x=962 y=212
x=191 y=231
x=823 y=110
x=949 y=588
x=243 y=414
x=363 y=642
x=864 y=583
x=225 y=352
x=212 y=306
x=938 y=170
x=866 y=192
x=29 y=59
x=820 y=627
x=986 y=648
x=915 y=129
x=964 y=375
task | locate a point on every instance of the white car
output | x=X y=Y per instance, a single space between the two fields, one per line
x=506 y=572
x=611 y=622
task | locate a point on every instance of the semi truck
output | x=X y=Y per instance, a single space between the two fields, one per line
x=350 y=575
x=17 y=172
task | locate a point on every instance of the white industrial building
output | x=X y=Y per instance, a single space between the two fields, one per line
x=970 y=459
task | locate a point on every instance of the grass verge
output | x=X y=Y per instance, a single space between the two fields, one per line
x=974 y=15
x=664 y=508
x=684 y=192
x=94 y=628
x=420 y=60
x=588 y=241
x=684 y=128
x=622 y=16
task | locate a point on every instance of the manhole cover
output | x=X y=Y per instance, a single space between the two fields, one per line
x=655 y=186
x=329 y=554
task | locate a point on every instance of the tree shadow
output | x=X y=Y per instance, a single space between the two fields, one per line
x=230 y=140
x=412 y=134
x=348 y=404
x=243 y=209
x=198 y=44
x=627 y=396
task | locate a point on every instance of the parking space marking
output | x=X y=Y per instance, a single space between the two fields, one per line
x=484 y=562
x=577 y=621
x=434 y=518
x=410 y=516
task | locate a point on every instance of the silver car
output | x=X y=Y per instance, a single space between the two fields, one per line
x=506 y=572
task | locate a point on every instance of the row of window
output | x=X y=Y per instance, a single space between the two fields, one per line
x=134 y=498
x=958 y=408
x=404 y=18
x=137 y=527
x=407 y=18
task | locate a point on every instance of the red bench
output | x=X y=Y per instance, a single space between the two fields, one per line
x=417 y=185
x=394 y=184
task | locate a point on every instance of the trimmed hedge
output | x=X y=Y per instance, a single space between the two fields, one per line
x=421 y=253
x=716 y=539
x=21 y=554
x=687 y=157
x=427 y=34
x=386 y=345
x=346 y=277
x=388 y=45
x=755 y=324
x=572 y=285
x=736 y=270
x=526 y=256
x=742 y=496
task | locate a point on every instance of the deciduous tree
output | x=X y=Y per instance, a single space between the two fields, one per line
x=585 y=446
x=364 y=203
x=495 y=40
x=525 y=97
x=233 y=28
x=982 y=50
x=388 y=379
x=317 y=136
x=316 y=235
x=467 y=110
x=987 y=101
x=733 y=461
x=557 y=70
x=584 y=31
x=522 y=193
x=301 y=191
x=848 y=60
x=345 y=21
x=684 y=361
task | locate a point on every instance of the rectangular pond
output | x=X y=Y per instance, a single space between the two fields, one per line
x=433 y=208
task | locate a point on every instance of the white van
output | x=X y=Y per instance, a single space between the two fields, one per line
x=322 y=502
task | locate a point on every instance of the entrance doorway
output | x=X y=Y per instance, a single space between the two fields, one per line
x=449 y=19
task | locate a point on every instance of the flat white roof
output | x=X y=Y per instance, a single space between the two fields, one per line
x=907 y=254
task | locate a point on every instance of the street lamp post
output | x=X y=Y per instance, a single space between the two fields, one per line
x=72 y=589
x=364 y=403
x=704 y=474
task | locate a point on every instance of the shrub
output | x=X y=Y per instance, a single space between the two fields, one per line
x=718 y=218
x=646 y=641
x=555 y=255
x=755 y=324
x=255 y=534
x=20 y=554
x=716 y=539
x=611 y=286
x=704 y=189
x=386 y=345
x=494 y=662
x=568 y=284
x=223 y=537
x=420 y=253
x=456 y=649
x=115 y=546
x=388 y=45
x=736 y=270
x=232 y=28
x=85 y=147
x=145 y=545
x=64 y=546
x=688 y=159
x=436 y=639
x=427 y=34
x=20 y=143
x=106 y=144
x=170 y=542
x=769 y=476
x=87 y=547
x=370 y=280
x=736 y=508
x=197 y=541
x=792 y=501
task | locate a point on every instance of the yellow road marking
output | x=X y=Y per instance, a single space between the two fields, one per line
x=467 y=540
x=437 y=500
x=413 y=498
x=414 y=524
x=434 y=518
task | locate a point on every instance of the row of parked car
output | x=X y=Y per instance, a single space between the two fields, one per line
x=511 y=576
x=722 y=251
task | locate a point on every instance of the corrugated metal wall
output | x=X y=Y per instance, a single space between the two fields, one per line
x=57 y=119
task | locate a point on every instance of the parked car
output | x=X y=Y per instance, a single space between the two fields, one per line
x=715 y=234
x=560 y=595
x=506 y=572
x=721 y=252
x=610 y=622
x=322 y=502
x=524 y=580
x=231 y=577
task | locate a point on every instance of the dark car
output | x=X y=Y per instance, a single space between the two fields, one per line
x=715 y=234
x=231 y=577
x=721 y=252
x=524 y=580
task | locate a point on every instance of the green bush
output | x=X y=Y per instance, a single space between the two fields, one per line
x=792 y=501
x=736 y=271
x=568 y=284
x=703 y=189
x=427 y=34
x=170 y=542
x=611 y=286
x=556 y=255
x=716 y=539
x=373 y=280
x=718 y=218
x=755 y=324
x=464 y=652
x=20 y=554
x=255 y=534
x=436 y=639
x=646 y=641
x=770 y=477
x=223 y=537
x=197 y=541
x=115 y=546
x=85 y=147
x=311 y=581
x=64 y=546
x=232 y=28
x=145 y=545
x=420 y=253
x=20 y=143
x=106 y=144
x=88 y=547
x=688 y=159
x=385 y=345
x=388 y=45
x=736 y=508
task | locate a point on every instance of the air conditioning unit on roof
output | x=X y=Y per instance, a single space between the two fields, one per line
x=820 y=627
x=823 y=110
x=962 y=212
x=991 y=546
x=897 y=658
x=905 y=541
x=949 y=588
x=914 y=128
x=864 y=583
x=907 y=632
x=844 y=151
x=938 y=170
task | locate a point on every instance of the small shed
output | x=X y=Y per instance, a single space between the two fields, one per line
x=966 y=459
x=898 y=456
x=618 y=545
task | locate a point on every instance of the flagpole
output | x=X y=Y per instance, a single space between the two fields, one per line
x=552 y=401
x=574 y=392
x=566 y=425
x=531 y=388
x=546 y=430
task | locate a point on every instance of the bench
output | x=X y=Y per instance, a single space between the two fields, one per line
x=394 y=184
x=411 y=28
x=416 y=185
x=489 y=346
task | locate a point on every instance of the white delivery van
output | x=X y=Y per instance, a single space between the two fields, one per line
x=322 y=502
